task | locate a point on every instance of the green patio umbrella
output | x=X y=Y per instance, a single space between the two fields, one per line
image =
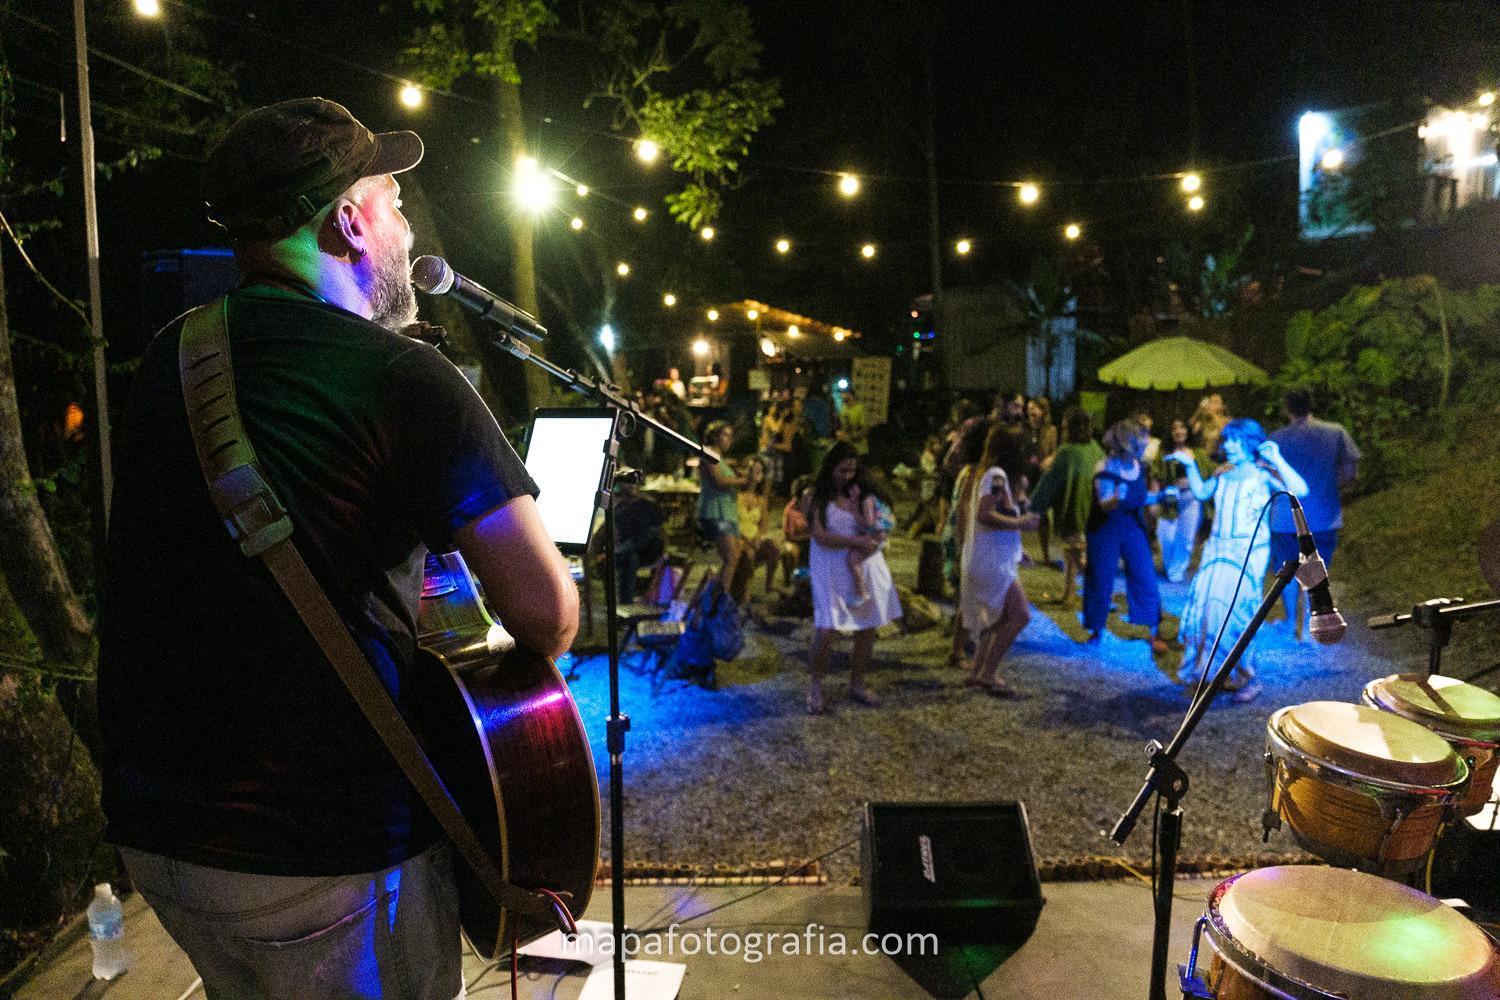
x=1181 y=363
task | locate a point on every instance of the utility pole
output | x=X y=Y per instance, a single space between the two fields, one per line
x=929 y=152
x=91 y=241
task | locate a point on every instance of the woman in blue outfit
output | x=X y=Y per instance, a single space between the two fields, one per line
x=1117 y=531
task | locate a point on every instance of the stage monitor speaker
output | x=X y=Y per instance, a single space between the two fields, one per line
x=173 y=281
x=961 y=871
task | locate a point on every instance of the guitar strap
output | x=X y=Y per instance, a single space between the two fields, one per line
x=258 y=522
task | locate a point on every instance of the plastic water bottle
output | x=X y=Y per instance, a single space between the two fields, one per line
x=107 y=933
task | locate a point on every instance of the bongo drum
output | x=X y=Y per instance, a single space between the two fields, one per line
x=1360 y=787
x=1306 y=932
x=1467 y=717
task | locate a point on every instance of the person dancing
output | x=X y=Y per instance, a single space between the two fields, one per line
x=992 y=601
x=1178 y=533
x=1219 y=592
x=1117 y=531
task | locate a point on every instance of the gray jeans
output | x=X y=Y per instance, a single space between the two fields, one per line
x=392 y=935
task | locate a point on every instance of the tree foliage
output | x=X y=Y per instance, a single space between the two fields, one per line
x=1378 y=359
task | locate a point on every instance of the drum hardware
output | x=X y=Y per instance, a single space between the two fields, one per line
x=1169 y=782
x=1437 y=617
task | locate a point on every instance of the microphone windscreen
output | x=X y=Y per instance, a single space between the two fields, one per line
x=431 y=275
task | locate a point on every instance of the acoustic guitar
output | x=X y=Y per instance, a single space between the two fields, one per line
x=504 y=733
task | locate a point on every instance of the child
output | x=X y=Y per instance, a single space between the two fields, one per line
x=875 y=518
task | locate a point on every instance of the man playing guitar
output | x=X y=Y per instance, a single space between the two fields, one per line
x=255 y=807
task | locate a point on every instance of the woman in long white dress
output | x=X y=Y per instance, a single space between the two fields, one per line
x=1255 y=470
x=991 y=600
x=835 y=522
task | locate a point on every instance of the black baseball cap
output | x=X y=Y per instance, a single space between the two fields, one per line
x=279 y=165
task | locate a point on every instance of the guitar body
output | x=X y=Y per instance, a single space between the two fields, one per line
x=504 y=733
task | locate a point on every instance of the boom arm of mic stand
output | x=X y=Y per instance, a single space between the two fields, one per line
x=601 y=392
x=1169 y=779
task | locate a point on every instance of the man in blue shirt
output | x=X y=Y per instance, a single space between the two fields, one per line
x=1328 y=459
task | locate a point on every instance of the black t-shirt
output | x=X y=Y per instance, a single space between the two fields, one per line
x=229 y=741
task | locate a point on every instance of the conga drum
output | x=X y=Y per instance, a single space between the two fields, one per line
x=1306 y=932
x=1467 y=717
x=1360 y=787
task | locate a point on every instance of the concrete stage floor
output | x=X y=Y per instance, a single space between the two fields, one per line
x=1093 y=943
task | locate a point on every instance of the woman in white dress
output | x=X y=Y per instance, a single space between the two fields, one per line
x=1239 y=491
x=991 y=600
x=834 y=518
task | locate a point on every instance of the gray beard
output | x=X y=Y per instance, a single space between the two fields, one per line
x=393 y=302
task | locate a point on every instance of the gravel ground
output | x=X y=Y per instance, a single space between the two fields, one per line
x=742 y=773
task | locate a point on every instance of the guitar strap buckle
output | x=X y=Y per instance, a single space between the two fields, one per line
x=252 y=513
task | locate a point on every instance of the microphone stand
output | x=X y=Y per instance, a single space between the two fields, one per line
x=625 y=415
x=1167 y=779
x=1437 y=616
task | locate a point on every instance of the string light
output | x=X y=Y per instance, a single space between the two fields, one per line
x=622 y=269
x=1333 y=159
x=411 y=94
x=839 y=335
x=752 y=314
x=531 y=188
x=646 y=150
x=1487 y=98
x=1029 y=193
x=792 y=331
x=848 y=185
x=576 y=223
x=707 y=232
x=963 y=247
x=583 y=190
x=669 y=300
x=700 y=348
x=639 y=214
x=1073 y=230
x=768 y=347
x=148 y=8
x=783 y=245
x=867 y=251
x=1191 y=183
x=1195 y=203
x=713 y=315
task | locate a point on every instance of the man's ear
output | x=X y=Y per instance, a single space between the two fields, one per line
x=348 y=225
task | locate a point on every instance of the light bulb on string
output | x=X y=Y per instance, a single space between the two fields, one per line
x=576 y=223
x=646 y=150
x=867 y=251
x=622 y=269
x=768 y=347
x=707 y=233
x=1072 y=230
x=1333 y=159
x=1029 y=193
x=148 y=8
x=639 y=215
x=962 y=247
x=701 y=348
x=713 y=315
x=1191 y=182
x=669 y=300
x=411 y=94
x=783 y=245
x=752 y=314
x=848 y=185
x=1487 y=98
x=793 y=331
x=1195 y=203
x=583 y=190
x=531 y=188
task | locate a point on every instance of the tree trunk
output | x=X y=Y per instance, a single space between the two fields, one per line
x=538 y=385
x=29 y=559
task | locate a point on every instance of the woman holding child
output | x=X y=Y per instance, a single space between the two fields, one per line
x=837 y=513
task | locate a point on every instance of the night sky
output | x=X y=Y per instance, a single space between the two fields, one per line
x=1058 y=92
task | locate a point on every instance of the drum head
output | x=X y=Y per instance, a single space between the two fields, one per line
x=1351 y=934
x=1371 y=742
x=1446 y=704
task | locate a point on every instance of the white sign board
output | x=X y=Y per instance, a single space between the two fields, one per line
x=872 y=386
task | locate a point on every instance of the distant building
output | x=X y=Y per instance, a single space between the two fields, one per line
x=986 y=342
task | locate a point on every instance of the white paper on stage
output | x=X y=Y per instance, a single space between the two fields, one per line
x=643 y=981
x=589 y=947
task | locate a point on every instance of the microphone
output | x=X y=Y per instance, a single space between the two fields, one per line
x=433 y=276
x=1326 y=625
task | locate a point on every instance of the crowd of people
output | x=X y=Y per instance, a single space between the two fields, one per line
x=1185 y=509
